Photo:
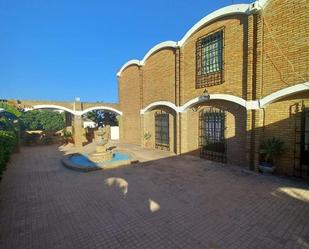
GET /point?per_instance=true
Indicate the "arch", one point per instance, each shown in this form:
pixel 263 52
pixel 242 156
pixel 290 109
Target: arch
pixel 225 11
pixel 162 45
pixel 36 107
pixel 226 97
pixel 129 63
pixel 100 108
pixel 283 93
pixel 159 103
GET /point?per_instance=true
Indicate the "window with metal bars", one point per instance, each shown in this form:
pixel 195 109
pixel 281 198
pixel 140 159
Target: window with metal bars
pixel 162 130
pixel 212 134
pixel 209 60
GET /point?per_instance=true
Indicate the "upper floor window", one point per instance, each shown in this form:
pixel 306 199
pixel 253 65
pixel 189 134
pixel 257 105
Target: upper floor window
pixel 209 60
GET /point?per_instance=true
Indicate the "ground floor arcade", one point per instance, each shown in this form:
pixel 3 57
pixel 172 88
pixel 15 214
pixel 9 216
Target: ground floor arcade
pixel 226 131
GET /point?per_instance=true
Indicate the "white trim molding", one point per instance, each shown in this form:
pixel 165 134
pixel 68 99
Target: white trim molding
pixel 248 105
pixel 129 63
pixel 77 113
pixel 226 97
pixel 36 107
pixel 159 103
pixel 226 11
pixel 162 45
pixel 99 108
pixel 283 93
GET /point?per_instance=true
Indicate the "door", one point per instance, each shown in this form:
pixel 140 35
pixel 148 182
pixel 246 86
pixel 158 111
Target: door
pixel 162 130
pixel 212 134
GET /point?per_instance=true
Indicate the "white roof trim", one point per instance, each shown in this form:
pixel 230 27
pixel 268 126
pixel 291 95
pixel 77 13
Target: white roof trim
pixel 228 10
pixel 52 107
pixel 159 103
pixel 98 108
pixel 129 63
pixel 283 93
pixel 166 44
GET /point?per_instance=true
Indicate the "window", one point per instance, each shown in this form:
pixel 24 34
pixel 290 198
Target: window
pixel 209 60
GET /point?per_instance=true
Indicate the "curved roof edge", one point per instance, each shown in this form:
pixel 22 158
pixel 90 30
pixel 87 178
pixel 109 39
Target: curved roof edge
pixel 166 44
pixel 129 63
pixel 225 11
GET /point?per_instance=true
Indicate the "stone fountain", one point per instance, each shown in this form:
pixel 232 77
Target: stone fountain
pixel 101 153
pixel 102 158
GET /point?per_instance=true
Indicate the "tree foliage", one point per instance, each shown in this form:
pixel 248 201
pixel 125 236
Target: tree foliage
pixel 10 110
pixel 101 117
pixel 45 120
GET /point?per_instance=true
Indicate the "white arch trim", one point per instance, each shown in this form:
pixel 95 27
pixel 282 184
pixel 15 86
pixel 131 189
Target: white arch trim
pixel 159 103
pixel 283 93
pixel 226 97
pixel 226 11
pixel 52 107
pixel 166 44
pixel 99 108
pixel 129 63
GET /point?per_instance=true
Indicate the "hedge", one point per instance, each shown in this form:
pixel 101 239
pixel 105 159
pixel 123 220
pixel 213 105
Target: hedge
pixel 8 140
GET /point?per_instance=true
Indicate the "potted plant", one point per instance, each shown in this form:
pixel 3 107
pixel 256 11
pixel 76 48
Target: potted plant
pixel 147 137
pixel 270 149
pixel 67 136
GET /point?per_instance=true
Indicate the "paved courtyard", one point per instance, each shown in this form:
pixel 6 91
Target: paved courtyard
pixel 174 202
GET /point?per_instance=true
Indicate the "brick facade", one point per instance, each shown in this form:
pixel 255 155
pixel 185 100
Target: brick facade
pixel 265 50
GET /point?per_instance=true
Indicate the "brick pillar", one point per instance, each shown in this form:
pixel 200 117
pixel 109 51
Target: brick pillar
pixel 255 133
pixel 142 131
pixel 78 131
pixel 120 123
pixel 178 133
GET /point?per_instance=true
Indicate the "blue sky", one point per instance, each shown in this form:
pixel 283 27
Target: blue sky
pixel 59 49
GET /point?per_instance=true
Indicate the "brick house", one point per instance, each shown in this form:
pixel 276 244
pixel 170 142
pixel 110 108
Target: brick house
pixel 237 77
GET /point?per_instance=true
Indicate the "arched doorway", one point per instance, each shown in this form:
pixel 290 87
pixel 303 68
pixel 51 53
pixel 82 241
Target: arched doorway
pixel 212 138
pixel 159 128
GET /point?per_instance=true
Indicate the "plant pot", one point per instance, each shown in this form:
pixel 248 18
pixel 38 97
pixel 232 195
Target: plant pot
pixel 267 168
pixel 147 144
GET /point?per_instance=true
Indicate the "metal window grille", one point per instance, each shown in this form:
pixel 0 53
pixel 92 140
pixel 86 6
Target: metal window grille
pixel 162 130
pixel 301 160
pixel 212 134
pixel 209 60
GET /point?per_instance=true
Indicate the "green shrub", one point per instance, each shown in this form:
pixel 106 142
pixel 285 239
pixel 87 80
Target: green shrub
pixel 8 141
pixel 45 120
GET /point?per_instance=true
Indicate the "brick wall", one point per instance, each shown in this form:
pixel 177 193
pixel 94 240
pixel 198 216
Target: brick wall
pixel 130 105
pixel 285 47
pixel 159 77
pixel 263 52
pixel 235 46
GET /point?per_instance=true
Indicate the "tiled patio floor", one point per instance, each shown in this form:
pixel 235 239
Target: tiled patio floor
pixel 175 202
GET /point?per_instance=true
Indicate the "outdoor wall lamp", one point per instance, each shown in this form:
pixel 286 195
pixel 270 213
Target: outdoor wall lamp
pixel 204 97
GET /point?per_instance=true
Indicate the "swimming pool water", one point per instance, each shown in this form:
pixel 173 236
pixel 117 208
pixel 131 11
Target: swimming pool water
pixel 82 159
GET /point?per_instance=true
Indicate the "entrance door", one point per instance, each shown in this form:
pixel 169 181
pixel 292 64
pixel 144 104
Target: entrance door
pixel 162 130
pixel 304 144
pixel 212 137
